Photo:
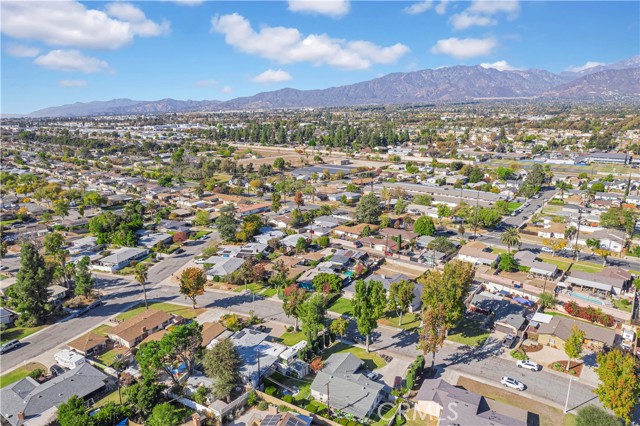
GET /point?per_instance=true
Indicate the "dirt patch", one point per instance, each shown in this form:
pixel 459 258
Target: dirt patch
pixel 545 414
pixel 532 348
pixel 575 369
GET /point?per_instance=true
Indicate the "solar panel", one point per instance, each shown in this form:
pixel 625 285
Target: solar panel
pixel 270 420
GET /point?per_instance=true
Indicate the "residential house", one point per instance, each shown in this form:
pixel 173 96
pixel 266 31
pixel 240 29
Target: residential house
pixel 257 353
pixel 340 385
pixel 554 230
pixel 556 332
pixel 528 259
pixel 132 331
pixel 286 419
pixel 329 221
pixel 477 253
pixel 173 226
pixel 269 234
pixel 7 317
pixel 213 333
pixel 354 232
pixel 88 344
pixel 507 317
pixel 250 209
pixel 57 294
pixel 85 244
pixel 610 280
pixel 223 266
pixel 289 242
pixel 120 258
pixel 154 239
pixel 29 403
pixel 454 405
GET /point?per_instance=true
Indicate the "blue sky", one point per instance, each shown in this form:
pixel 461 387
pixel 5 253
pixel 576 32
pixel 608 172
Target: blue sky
pixel 66 51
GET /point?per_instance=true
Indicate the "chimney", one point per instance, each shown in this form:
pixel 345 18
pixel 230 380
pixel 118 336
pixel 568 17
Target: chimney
pixel 21 415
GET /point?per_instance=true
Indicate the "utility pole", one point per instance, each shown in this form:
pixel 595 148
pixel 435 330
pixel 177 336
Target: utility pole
pixel 475 225
pixel 575 246
pixel 566 402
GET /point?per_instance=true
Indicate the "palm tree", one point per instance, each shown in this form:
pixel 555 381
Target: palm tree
pixel 385 194
pixel 141 276
pixel 510 238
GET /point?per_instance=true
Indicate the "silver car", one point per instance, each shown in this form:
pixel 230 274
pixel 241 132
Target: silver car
pixel 512 383
pixel 529 365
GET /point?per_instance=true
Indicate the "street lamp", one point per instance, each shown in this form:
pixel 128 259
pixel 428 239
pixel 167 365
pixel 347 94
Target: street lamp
pixel 566 403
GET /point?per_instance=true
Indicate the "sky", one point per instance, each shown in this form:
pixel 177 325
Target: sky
pixel 64 51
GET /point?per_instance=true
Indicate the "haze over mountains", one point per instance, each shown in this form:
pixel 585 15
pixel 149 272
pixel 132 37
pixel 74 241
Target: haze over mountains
pixel 450 84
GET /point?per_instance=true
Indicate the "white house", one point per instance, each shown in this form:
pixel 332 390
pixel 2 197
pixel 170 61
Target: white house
pixel 119 259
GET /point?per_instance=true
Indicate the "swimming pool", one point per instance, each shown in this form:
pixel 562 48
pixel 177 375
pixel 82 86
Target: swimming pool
pixel 587 298
pixel 349 273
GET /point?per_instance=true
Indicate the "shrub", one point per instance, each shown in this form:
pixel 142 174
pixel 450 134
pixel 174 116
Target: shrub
pixel 411 375
pixel 288 398
pixel 252 399
pixel 311 407
pixel 270 390
pixel 201 395
pixel 35 374
pixel 400 420
pixel 518 354
pixel 589 313
pixel 263 405
pixel 557 366
pixel 316 365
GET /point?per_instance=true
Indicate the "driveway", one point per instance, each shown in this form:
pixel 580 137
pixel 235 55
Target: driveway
pixel 397 367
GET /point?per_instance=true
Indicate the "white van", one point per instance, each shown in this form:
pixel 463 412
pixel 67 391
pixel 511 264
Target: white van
pixel 10 345
pixel 69 359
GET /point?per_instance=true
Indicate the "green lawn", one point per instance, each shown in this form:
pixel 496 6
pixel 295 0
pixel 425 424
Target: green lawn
pixel 622 304
pixel 372 360
pixel 513 206
pixel 199 234
pixel 102 329
pixel 341 306
pixel 20 373
pixel 253 288
pixel 498 250
pixel 468 332
pixel 303 385
pixel 410 321
pixel 18 333
pixel 112 397
pixel 3 277
pixel 269 292
pixel 561 264
pixel 183 311
pixel 586 267
pixel 291 339
pixel 108 357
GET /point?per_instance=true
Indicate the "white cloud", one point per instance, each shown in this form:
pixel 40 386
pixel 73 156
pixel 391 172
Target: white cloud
pixel 441 8
pixel 206 83
pixel 419 7
pixel 333 8
pixel 463 20
pixel 227 89
pixel 72 83
pixel 482 13
pixel 586 66
pixel 499 65
pixel 21 51
pixel 71 60
pixel 69 23
pixel 288 45
pixel 272 76
pixel 465 48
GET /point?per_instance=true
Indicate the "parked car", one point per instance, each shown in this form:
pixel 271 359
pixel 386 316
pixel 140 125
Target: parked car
pixel 200 261
pixel 547 249
pixel 95 304
pixel 9 346
pixel 397 382
pixel 373 376
pixel 56 370
pixel 358 244
pixel 529 365
pixel 508 341
pixel 3 267
pixel 512 383
pixel 179 251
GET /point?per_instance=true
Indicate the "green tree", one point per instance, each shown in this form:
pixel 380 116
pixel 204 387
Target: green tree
pixel 400 297
pixel 222 364
pixel 178 346
pixel 424 226
pixel 140 274
pixel 368 209
pixel 294 297
pixel 276 203
pixel 385 221
pixel 448 288
pixel 312 313
pixel 54 245
pixel 574 344
pixel 327 283
pixel 110 414
pixel 278 163
pixel 73 413
pixel 510 238
pixel 202 218
pixel 143 395
pixel 227 223
pixel 368 306
pixel 83 279
pixel 301 245
pixel 30 294
pixel 592 415
pixel 164 414
pixel 547 300
pixel 339 326
pixel 433 330
pixel 61 208
pixel 323 241
pixel 442 244
pixel 4 248
pixel 508 263
pixel 619 387
pixel 192 282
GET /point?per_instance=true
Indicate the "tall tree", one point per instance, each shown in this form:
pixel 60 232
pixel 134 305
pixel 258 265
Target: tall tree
pixel 400 297
pixel 192 282
pixel 222 363
pixel 164 414
pixel 424 226
pixel 294 297
pixel 54 245
pixel 433 331
pixel 368 306
pixel 368 209
pixel 339 326
pixel 573 345
pixel 448 288
pixel 141 274
pixel 298 198
pixel 30 294
pixel 202 218
pixel 73 413
pixel 83 279
pixel 312 313
pixel 619 387
pixel 227 223
pixel 510 238
pixel 276 203
pixel 278 275
pixel 143 395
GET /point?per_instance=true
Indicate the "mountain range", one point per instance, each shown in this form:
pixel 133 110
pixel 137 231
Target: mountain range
pixel 450 84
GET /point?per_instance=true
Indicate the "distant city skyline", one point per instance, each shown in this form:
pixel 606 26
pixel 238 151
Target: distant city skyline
pixel 66 51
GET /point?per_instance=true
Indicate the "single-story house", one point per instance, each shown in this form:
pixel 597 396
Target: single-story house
pixel 212 333
pixel 355 231
pixel 477 253
pixel 132 331
pixel 168 225
pixel 120 258
pixel 88 344
pixel 342 387
pixel 507 317
pixel 269 235
pixel 329 221
pixel 7 316
pixel 554 230
pixel 57 294
pixel 152 240
pixel 536 267
pixel 612 280
pixel 255 351
pixel 84 244
pixel 250 209
pixel 29 403
pixel 454 405
pixel 223 266
pixel 558 330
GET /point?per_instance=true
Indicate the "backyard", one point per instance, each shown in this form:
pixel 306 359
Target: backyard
pixel 468 332
pixel 290 339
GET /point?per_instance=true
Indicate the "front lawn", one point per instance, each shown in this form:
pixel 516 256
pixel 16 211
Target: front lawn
pixel 590 268
pixel 513 206
pixel 561 264
pixel 341 306
pixel 101 330
pixel 20 373
pixel 372 360
pixel 3 277
pixel 468 332
pixel 18 333
pixel 184 311
pixel 410 321
pixel 291 339
pixel 253 288
pixel 199 234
